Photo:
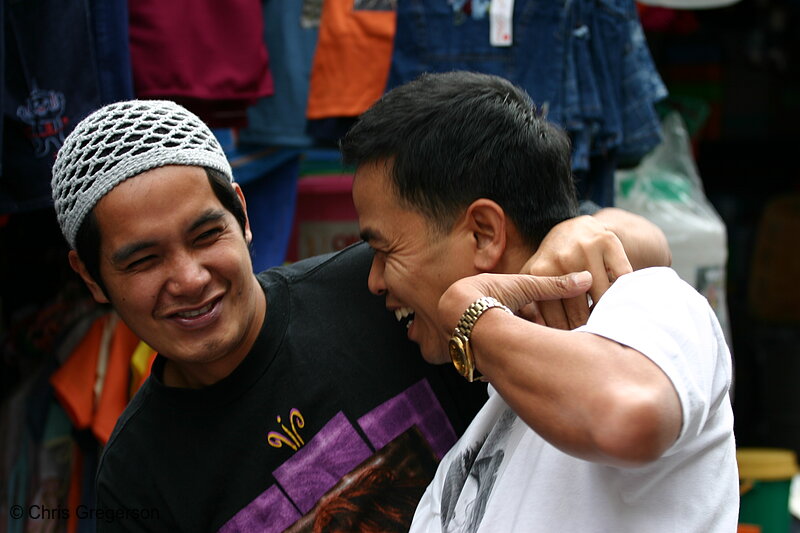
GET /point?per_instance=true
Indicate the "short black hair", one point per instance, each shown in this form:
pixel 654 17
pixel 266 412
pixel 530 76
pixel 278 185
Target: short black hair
pixel 454 137
pixel 87 239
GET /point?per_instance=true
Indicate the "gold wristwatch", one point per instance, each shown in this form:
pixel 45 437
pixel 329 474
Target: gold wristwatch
pixel 460 349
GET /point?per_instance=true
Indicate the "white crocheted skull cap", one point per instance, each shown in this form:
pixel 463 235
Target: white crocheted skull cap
pixel 120 141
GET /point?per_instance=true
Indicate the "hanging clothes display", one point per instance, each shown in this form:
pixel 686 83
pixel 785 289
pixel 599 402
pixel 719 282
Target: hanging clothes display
pixel 352 59
pixel 44 460
pixel 94 384
pixel 585 64
pixel 208 56
pixel 86 366
pixel 265 155
pixel 280 119
pixel 61 61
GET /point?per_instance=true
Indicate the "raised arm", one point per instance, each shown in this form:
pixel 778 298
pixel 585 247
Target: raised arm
pixel 587 395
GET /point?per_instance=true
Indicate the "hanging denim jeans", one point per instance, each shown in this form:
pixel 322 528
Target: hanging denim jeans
pixel 437 36
pixel 642 87
pixel 585 61
pixel 280 119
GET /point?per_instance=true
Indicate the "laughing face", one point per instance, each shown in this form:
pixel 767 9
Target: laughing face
pixel 177 269
pixel 413 264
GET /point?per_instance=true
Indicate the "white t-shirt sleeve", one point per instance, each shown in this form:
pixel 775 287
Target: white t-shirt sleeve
pixel 656 313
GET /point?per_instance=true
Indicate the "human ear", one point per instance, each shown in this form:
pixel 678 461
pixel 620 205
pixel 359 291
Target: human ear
pixel 248 235
pixel 486 220
pixel 94 288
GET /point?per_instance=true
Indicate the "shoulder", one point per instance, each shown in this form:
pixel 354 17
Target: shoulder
pixel 652 299
pixel 130 444
pixel 656 286
pixel 126 455
pixel 352 263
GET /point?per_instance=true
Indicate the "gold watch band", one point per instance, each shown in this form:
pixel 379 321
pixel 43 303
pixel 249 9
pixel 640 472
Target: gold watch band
pixel 460 347
pixel 474 312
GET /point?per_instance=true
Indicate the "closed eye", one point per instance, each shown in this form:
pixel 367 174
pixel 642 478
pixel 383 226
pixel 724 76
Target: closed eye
pixel 139 262
pixel 208 235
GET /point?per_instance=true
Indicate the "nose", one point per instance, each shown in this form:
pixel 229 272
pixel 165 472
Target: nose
pixel 187 275
pixel 375 282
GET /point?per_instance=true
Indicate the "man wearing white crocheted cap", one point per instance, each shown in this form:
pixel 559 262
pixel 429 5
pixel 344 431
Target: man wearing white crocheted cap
pixel 137 241
pixel 270 392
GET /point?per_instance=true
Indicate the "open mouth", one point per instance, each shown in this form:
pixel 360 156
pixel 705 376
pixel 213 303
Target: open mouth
pixel 199 313
pixel 195 312
pixel 405 315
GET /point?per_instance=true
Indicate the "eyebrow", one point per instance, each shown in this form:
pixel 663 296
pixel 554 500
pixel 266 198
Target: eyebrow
pixel 125 253
pixel 212 215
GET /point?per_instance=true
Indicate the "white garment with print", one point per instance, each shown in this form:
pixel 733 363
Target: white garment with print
pixel 503 477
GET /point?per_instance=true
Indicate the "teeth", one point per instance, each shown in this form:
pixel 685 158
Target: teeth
pixel 196 312
pixel 403 312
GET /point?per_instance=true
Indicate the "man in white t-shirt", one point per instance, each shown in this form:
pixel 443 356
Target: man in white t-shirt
pixel 620 421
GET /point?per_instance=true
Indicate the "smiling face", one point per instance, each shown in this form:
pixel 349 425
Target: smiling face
pixel 413 264
pixel 176 267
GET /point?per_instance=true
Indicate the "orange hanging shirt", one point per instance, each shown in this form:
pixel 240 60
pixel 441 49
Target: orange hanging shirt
pixel 352 60
pixel 75 381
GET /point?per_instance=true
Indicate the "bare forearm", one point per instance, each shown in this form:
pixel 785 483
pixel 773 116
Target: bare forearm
pixel 587 395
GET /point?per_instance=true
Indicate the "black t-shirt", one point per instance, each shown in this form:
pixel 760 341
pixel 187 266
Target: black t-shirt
pixel 333 409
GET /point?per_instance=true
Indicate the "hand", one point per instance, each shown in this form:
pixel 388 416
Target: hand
pixel 581 243
pixel 516 291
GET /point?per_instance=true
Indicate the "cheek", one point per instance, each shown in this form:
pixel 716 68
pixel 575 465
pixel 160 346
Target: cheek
pixel 231 267
pixel 139 291
pixel 402 267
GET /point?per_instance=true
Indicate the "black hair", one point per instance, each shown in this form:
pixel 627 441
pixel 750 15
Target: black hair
pixel 87 239
pixel 451 138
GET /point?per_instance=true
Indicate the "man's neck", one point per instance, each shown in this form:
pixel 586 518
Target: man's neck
pixel 514 258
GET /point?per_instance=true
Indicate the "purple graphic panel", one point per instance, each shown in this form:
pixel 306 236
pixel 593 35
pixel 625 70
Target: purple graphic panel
pixel 271 511
pixel 321 463
pixel 416 406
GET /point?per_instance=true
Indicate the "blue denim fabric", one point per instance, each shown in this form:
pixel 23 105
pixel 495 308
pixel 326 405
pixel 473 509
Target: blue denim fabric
pixel 607 23
pixel 271 203
pixel 437 36
pixel 642 86
pixel 280 119
pixel 596 184
pixel 585 61
pixel 597 48
pixel 268 177
pixel 112 51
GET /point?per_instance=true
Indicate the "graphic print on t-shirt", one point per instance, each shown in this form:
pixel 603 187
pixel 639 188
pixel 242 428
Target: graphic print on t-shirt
pixel 471 476
pixel 330 470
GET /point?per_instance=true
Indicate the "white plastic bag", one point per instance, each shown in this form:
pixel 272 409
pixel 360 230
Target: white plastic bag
pixel 666 189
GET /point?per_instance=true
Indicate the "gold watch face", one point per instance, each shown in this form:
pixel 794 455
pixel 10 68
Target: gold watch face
pixel 458 354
